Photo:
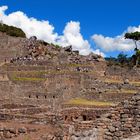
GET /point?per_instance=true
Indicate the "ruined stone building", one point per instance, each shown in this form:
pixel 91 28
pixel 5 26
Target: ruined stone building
pixel 53 93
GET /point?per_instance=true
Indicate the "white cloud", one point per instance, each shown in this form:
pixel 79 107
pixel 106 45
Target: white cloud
pixel 2 9
pixel 45 31
pixel 31 26
pixel 72 36
pixel 133 29
pixel 113 44
pixel 118 43
pixel 97 51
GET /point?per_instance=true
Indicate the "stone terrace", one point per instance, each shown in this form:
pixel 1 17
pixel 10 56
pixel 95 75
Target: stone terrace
pixel 51 86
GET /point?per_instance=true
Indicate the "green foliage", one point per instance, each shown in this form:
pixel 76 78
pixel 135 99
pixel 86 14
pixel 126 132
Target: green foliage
pixel 121 60
pixel 55 45
pixel 138 53
pixel 124 61
pixel 12 31
pixel 137 57
pixel 134 36
pixel 28 79
pixel 80 101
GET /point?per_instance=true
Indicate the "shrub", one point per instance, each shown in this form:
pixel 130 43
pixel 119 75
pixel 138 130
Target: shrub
pixel 11 30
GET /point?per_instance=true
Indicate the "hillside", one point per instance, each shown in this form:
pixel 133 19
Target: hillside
pixel 11 30
pixel 45 84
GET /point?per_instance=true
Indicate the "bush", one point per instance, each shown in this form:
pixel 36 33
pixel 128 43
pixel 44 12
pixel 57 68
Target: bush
pixel 122 60
pixel 11 30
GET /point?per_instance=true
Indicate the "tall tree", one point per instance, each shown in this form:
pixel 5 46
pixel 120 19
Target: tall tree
pixel 135 36
pixel 138 57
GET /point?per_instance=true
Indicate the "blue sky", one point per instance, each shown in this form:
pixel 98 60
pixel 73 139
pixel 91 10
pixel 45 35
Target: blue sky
pixel 109 18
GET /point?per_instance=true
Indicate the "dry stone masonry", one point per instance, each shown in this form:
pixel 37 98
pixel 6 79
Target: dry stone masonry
pixel 53 93
pixel 120 123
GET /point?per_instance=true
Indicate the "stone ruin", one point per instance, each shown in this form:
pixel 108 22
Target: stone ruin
pixel 53 93
pixel 119 123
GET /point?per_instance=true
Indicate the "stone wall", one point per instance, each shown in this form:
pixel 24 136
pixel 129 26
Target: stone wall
pixel 121 73
pixel 121 122
pixel 12 132
pixel 10 47
pixel 124 120
pixel 81 114
pixel 55 88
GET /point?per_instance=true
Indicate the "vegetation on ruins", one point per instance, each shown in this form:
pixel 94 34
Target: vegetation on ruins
pixel 122 59
pixel 135 37
pixel 79 101
pixel 55 45
pixel 11 30
pixel 123 91
pixel 28 79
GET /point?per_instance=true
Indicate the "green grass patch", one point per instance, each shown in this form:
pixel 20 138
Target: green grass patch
pixel 125 91
pixel 79 101
pixel 113 81
pixel 28 79
pixel 11 30
pixel 43 73
pixel 128 91
pixel 27 73
pixel 135 83
pixel 79 65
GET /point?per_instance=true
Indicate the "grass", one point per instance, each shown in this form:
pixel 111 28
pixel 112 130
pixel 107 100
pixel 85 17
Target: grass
pixel 79 101
pixel 42 73
pixel 37 75
pixel 27 73
pixel 11 30
pixel 135 83
pixel 26 138
pixel 28 79
pixel 128 91
pixel 79 65
pixel 125 91
pixel 113 81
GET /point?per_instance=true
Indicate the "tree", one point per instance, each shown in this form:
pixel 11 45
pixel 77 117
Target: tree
pixel 122 58
pixel 135 36
pixel 137 57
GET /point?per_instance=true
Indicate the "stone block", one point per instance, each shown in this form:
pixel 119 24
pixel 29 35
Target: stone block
pixel 108 133
pixel 7 135
pixel 22 130
pixel 111 128
pixel 118 134
pixel 12 130
pixel 108 137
